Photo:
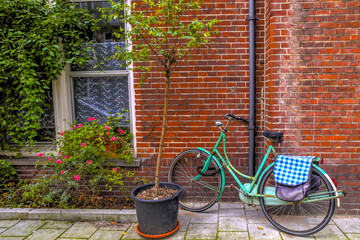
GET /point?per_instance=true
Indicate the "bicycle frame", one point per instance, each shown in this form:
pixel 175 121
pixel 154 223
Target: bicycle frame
pixel 258 176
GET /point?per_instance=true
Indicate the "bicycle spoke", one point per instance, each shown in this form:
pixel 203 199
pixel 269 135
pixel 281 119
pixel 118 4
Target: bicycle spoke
pixel 199 194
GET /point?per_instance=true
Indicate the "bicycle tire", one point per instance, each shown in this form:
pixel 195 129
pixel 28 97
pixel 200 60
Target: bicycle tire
pixel 299 219
pixel 196 197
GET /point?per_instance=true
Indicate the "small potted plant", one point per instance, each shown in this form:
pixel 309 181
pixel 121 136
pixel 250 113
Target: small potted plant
pixel 158 36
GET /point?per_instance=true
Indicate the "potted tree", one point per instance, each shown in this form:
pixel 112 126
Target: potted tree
pixel 158 36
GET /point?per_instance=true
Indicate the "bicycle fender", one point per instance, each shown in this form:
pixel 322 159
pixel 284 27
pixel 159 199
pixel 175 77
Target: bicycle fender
pixel 330 181
pixel 221 172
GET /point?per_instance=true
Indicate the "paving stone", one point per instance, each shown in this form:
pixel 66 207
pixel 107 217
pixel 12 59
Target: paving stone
pixel 348 225
pixel 184 223
pixel 205 218
pixel 252 207
pixel 239 205
pixel 8 223
pixel 57 225
pixel 106 235
pixel 12 238
pixel 176 236
pixel 213 209
pixel 201 231
pixel 131 233
pixel 233 235
pixel 232 212
pixel 80 230
pixel 330 232
pixel 353 236
pixel 256 217
pixel 45 234
pixel 114 227
pixel 23 228
pixel 286 236
pixel 232 224
pixel 70 239
pixel 267 231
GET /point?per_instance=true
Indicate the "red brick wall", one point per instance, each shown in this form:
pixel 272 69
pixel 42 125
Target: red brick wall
pixel 309 88
pixel 202 92
pixel 312 86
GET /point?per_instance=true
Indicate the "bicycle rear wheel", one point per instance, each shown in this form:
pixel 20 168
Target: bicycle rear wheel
pixel 198 195
pixel 297 218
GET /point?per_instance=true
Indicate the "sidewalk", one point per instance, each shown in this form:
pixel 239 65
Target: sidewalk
pixel 222 221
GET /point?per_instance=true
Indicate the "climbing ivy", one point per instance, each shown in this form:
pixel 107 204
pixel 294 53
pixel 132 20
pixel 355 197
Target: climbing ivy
pixel 37 39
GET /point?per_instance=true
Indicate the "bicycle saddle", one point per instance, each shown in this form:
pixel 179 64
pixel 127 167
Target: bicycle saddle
pixel 273 136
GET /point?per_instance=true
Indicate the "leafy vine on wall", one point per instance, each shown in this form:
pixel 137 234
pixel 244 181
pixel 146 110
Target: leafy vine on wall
pixel 37 39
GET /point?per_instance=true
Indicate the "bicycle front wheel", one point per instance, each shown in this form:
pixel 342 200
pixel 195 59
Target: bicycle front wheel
pixel 299 218
pixel 198 194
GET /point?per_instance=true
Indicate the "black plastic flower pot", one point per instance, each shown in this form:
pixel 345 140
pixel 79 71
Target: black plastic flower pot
pixel 157 218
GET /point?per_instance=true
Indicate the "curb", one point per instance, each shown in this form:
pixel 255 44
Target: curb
pixel 123 216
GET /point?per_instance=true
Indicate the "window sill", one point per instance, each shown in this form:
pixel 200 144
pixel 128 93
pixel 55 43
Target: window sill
pixel 24 157
pixel 32 161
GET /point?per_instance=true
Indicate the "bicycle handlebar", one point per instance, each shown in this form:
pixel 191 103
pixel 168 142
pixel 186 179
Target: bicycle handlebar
pixel 231 116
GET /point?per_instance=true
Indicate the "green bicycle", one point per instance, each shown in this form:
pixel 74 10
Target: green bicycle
pixel 201 175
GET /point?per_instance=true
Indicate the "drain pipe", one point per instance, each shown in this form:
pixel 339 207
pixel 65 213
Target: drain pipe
pixel 252 86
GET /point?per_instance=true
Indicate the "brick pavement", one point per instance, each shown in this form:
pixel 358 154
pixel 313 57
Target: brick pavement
pixel 222 221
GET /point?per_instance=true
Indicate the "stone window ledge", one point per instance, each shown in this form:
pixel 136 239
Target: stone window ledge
pixel 111 162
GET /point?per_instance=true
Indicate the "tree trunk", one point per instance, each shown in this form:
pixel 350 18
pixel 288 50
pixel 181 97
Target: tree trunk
pixel 163 130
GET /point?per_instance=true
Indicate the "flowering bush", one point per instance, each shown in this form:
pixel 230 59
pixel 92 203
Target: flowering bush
pixel 79 165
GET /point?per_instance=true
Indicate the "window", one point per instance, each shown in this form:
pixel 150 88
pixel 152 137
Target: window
pixel 83 91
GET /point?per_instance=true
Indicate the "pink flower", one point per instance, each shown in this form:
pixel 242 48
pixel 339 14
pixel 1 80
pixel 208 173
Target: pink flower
pixel 40 154
pixel 60 154
pixel 109 133
pixel 62 172
pixel 62 133
pixel 113 139
pixel 75 127
pixel 58 161
pixel 50 159
pixel 67 156
pixel 80 125
pixel 122 131
pixel 76 177
pixel 91 119
pixel 107 128
pixel 115 170
pixel 83 144
pixel 89 162
pixel 107 151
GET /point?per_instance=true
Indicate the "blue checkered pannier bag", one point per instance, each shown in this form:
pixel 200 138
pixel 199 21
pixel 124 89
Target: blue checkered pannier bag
pixel 292 177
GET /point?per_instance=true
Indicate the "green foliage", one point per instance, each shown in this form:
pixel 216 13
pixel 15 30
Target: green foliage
pixel 37 39
pixel 79 168
pixel 7 174
pixel 158 32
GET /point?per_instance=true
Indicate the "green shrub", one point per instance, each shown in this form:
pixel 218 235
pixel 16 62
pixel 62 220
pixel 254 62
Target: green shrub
pixel 79 169
pixel 8 175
